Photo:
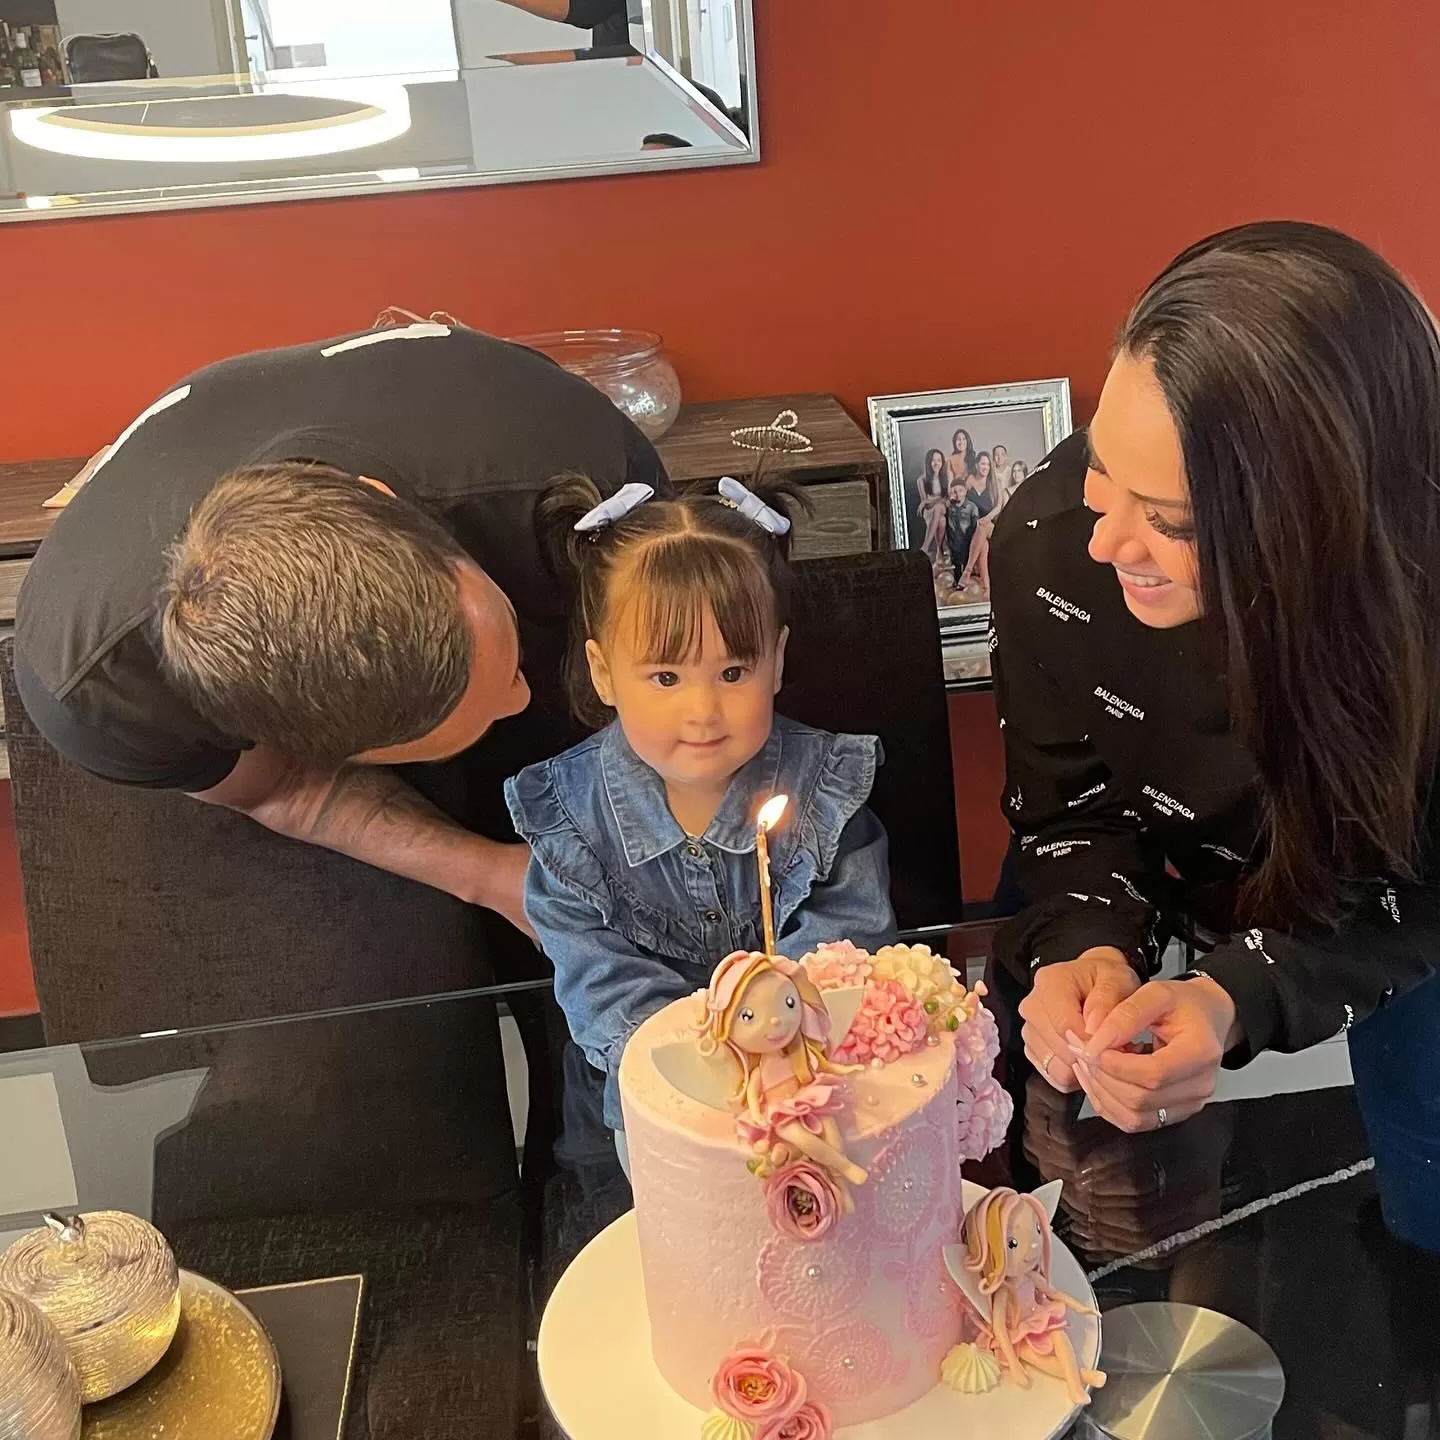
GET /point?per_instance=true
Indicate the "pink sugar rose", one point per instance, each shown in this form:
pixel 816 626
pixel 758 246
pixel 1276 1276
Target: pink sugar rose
pixel 751 1385
pixel 977 1046
pixel 891 1024
pixel 802 1201
pixel 984 1112
pixel 810 1422
pixel 837 965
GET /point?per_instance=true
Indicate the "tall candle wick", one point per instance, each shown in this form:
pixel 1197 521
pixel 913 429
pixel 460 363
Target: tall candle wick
pixel 766 821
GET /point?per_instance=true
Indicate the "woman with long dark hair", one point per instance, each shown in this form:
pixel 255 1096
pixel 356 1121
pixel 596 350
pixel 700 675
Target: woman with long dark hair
pixel 979 561
pixel 1217 624
pixel 930 487
pixel 961 460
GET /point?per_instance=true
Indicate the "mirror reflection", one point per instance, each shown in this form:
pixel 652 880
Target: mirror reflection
pixel 149 104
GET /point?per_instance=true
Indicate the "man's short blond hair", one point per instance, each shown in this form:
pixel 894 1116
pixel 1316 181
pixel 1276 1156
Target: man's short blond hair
pixel 308 611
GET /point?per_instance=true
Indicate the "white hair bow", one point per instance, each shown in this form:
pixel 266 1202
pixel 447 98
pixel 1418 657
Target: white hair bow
pixel 752 507
pixel 615 507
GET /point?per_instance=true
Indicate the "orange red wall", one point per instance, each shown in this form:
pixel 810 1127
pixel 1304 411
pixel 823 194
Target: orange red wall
pixel 17 993
pixel 952 194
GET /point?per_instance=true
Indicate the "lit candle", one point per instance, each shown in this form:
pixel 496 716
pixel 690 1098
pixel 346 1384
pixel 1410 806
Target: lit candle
pixel 766 821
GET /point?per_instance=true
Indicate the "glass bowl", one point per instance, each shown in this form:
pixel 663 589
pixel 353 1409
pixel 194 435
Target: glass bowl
pixel 627 365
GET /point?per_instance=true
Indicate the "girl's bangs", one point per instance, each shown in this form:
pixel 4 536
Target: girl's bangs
pixel 676 583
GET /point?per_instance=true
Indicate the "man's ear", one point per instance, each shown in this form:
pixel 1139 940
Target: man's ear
pixel 600 673
pixel 780 645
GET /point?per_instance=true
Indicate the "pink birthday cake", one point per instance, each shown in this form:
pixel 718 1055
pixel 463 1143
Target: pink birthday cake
pixel 795 1135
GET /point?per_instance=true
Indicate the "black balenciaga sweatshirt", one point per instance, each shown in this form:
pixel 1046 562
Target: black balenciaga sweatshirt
pixel 1135 805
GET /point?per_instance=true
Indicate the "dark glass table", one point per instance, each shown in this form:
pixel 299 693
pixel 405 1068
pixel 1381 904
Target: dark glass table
pixel 381 1141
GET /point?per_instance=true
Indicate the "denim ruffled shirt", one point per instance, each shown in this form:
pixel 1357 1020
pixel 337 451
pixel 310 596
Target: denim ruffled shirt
pixel 635 913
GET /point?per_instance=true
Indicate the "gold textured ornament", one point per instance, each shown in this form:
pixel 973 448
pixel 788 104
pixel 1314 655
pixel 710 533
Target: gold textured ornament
pixel 39 1394
pixel 220 1379
pixel 109 1284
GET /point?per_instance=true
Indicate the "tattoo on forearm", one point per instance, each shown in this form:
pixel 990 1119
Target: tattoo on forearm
pixel 362 800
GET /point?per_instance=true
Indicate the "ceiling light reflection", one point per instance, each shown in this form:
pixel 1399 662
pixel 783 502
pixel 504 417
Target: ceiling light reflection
pixel 381 113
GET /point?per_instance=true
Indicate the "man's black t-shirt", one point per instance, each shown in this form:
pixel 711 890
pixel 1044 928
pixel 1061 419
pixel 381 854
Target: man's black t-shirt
pixel 467 427
pixel 607 20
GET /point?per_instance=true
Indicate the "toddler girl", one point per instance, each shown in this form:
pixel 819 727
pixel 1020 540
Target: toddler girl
pixel 643 876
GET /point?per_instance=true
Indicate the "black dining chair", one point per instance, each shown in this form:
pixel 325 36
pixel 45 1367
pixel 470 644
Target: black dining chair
pixel 94 59
pixel 864 657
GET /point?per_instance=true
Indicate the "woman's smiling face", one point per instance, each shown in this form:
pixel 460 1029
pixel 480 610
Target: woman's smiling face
pixel 1136 485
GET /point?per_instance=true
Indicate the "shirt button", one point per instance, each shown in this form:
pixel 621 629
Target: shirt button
pixel 712 917
pixel 694 850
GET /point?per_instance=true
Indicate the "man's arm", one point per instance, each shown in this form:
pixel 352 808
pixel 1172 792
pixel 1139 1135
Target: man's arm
pixel 547 9
pixel 371 815
pixel 584 14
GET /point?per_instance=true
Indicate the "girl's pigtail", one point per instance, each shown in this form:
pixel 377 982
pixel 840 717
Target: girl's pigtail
pixel 565 500
pixel 770 483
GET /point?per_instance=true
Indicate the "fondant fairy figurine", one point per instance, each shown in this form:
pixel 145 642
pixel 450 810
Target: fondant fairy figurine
pixel 1003 1267
pixel 763 1046
pixel 770 1015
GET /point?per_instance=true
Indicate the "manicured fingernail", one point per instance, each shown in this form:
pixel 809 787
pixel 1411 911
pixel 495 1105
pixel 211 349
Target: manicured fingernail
pixel 1074 1041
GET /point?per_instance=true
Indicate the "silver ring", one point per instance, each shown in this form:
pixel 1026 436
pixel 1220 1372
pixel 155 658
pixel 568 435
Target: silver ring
pixel 1160 1118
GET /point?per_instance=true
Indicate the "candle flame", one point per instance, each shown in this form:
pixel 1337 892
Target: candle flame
pixel 771 811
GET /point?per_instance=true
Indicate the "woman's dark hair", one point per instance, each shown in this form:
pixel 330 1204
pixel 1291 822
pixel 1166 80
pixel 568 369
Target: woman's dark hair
pixel 969 448
pixel 680 560
pixel 931 473
pixel 1303 376
pixel 992 480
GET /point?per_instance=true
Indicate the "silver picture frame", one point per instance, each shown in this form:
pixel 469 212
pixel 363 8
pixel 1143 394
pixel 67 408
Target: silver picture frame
pixel 1026 420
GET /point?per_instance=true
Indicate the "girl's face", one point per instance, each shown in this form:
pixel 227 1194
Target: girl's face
pixel 1017 472
pixel 937 462
pixel 982 468
pixel 961 444
pixel 1137 486
pixel 694 722
pixel 768 1015
pixel 1024 1243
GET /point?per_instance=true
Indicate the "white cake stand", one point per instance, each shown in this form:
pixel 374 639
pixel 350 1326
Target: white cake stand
pixel 600 1381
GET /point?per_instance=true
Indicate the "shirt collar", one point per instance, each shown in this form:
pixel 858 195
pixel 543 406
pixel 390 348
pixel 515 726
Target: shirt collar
pixel 325 447
pixel 642 814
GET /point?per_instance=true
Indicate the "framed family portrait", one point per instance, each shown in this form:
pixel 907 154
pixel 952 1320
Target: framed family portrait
pixel 955 458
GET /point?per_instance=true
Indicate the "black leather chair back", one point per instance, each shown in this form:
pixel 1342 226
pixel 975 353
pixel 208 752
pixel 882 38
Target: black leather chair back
pixel 95 58
pixel 864 657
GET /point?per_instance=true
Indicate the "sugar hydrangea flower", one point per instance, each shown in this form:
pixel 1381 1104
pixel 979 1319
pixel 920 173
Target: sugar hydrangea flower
pixel 977 1046
pixel 838 965
pixel 983 1113
pixel 890 1024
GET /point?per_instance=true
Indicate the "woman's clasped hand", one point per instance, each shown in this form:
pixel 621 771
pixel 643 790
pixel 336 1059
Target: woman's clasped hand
pixel 1084 1020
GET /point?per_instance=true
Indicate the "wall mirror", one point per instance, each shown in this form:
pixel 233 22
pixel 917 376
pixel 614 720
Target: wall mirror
pixel 110 106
